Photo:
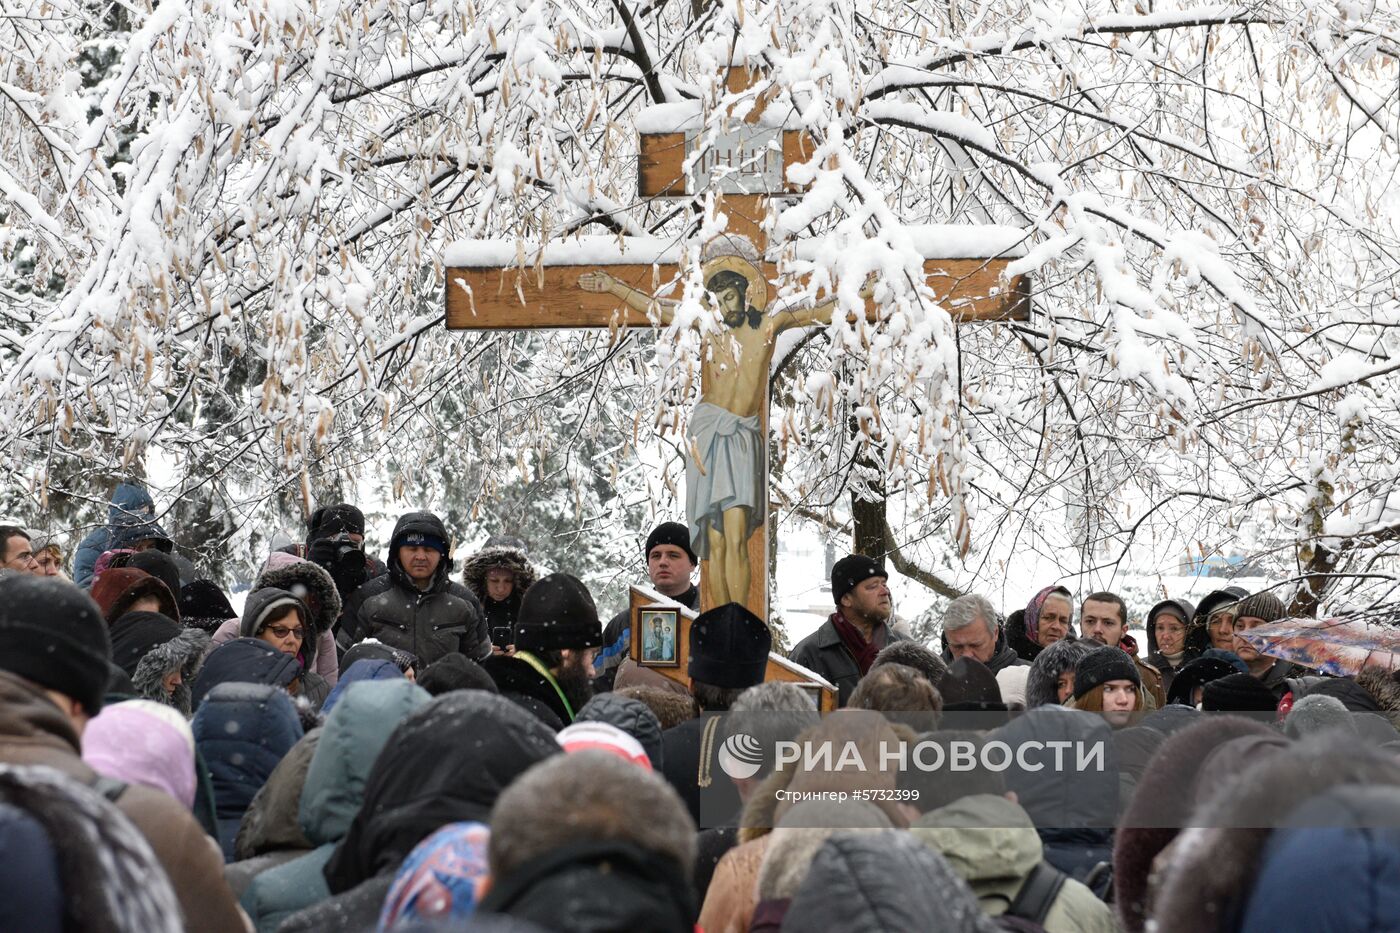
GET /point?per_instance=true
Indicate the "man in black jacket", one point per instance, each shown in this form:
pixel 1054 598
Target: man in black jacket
pixel 670 565
pixel 415 606
pixel 556 639
pixel 843 648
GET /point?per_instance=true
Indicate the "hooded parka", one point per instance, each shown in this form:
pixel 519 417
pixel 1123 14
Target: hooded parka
pixel 429 623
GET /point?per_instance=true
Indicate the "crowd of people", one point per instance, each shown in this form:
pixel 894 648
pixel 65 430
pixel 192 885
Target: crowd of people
pixel 379 745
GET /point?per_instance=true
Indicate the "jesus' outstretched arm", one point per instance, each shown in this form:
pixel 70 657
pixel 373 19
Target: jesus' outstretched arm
pixel 637 300
pixel 809 313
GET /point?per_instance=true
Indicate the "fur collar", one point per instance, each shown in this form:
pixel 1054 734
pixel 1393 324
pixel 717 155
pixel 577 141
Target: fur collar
pixel 1385 689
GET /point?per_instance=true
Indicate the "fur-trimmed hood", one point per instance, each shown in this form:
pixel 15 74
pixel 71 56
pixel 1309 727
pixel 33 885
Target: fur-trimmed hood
pixel 185 651
pixel 1043 680
pixel 510 558
pixel 1212 868
pixel 303 579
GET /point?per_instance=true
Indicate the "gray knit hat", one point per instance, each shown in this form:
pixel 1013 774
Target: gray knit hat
pixel 1264 606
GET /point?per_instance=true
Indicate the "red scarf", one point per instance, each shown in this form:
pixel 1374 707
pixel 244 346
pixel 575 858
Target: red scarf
pixel 863 651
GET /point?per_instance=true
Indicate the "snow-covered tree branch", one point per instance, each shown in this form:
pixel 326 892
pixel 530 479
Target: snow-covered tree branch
pixel 221 230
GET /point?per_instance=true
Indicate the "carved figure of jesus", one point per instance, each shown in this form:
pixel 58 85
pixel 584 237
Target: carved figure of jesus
pixel 726 488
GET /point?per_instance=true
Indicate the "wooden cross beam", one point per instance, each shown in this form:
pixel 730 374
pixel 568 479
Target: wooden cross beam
pixel 607 281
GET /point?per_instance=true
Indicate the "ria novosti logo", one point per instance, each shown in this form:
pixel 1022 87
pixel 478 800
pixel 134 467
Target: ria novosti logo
pixel 740 756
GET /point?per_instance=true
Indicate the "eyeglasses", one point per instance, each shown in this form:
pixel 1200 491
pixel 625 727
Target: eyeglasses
pixel 281 631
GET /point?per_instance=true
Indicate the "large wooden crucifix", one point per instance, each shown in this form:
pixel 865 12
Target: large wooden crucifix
pixel 610 281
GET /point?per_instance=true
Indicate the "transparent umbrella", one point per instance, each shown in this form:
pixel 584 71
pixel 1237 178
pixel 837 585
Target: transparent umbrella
pixel 1340 646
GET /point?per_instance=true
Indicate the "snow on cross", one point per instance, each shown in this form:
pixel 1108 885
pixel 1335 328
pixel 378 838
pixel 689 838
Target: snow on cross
pixel 629 281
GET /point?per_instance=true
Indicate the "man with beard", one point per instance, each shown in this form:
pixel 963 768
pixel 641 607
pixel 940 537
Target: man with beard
pixel 843 648
pixel 557 636
pixel 729 649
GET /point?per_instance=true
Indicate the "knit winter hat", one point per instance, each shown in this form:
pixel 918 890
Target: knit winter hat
pixel 455 671
pixel 136 633
pixel 1241 693
pixel 1264 606
pixel 851 572
pixel 1318 713
pixel 53 634
pixel 338 519
pixel 729 647
pixel 419 539
pixel 673 533
pixel 557 613
pixel 1100 666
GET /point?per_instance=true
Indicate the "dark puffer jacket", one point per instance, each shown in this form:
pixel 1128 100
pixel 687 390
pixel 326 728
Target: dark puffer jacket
pixel 243 730
pixel 595 886
pixel 429 624
pixel 500 616
pixel 447 761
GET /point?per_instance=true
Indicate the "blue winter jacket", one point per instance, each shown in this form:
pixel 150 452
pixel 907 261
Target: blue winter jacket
pixel 360 672
pixel 242 730
pixel 130 504
pixel 1335 866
